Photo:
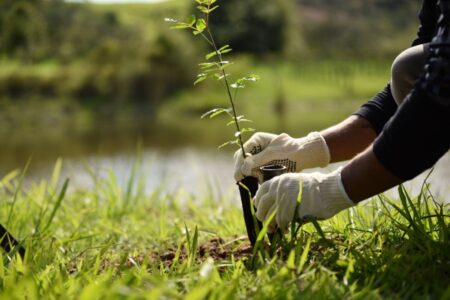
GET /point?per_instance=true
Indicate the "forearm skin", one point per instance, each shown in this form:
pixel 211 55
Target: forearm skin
pixel 348 138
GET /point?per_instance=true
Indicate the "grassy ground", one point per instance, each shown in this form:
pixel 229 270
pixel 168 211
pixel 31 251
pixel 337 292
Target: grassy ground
pixel 115 242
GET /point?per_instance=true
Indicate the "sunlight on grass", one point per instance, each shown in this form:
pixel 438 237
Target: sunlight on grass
pixel 115 241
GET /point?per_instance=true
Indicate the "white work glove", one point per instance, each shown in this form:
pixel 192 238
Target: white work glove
pixel 323 196
pixel 296 154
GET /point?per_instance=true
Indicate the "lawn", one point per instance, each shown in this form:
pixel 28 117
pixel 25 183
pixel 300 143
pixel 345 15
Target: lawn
pixel 116 242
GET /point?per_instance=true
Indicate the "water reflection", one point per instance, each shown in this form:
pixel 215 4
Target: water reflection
pixel 193 165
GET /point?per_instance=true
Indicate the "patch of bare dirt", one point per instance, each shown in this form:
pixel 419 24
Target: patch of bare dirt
pixel 216 248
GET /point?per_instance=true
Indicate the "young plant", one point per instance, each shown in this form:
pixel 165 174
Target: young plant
pixel 215 67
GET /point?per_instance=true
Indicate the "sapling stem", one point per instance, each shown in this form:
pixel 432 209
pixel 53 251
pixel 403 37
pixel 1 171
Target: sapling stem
pixel 216 69
pixel 227 85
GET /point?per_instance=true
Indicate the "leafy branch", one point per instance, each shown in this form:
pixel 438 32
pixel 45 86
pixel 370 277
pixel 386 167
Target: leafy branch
pixel 215 67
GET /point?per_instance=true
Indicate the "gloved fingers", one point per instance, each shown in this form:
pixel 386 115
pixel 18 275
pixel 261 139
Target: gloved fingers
pixel 258 141
pixel 238 160
pixel 245 167
pixel 265 203
pixel 286 211
pixel 252 164
pixel 263 189
pixel 281 139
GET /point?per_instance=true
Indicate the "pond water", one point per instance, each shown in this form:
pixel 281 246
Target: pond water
pixel 170 158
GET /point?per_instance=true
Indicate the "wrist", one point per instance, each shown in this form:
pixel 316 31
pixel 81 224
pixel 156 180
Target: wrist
pixel 325 195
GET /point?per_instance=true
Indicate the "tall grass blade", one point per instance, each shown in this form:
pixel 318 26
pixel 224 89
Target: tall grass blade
pixel 304 256
pixel 318 228
pixel 56 173
pixel 297 205
pixel 17 191
pixel 57 204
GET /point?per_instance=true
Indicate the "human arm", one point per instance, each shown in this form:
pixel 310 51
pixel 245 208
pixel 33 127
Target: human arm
pixel 337 143
pixel 413 140
pixel 396 154
pixel 348 138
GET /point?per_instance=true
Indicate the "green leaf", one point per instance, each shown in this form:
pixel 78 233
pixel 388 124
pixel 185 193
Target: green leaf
pixel 224 48
pixel 180 26
pixel 213 8
pixel 170 20
pixel 209 112
pixel 200 77
pixel 240 119
pixel 234 142
pixel 252 77
pixel 200 25
pixel 204 66
pixel 247 130
pixel 203 9
pixel 210 55
pixel 225 65
pixel 220 76
pixel 225 51
pixel 215 112
pixel 191 20
pixel 237 86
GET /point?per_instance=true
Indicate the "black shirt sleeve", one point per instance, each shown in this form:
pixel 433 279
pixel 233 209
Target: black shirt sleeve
pixel 379 109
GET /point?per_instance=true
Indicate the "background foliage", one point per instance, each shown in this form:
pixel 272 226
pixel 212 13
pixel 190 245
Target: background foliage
pixel 110 59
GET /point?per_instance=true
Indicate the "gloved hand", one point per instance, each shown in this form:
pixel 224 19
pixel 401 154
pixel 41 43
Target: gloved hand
pixel 323 196
pixel 296 154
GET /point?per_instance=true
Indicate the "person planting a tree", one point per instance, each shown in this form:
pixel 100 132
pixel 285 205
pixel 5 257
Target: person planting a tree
pixel 398 134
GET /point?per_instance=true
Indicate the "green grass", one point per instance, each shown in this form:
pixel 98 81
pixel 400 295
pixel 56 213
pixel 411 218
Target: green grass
pixel 114 241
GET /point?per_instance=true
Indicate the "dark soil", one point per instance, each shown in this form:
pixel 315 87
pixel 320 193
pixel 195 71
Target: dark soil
pixel 215 248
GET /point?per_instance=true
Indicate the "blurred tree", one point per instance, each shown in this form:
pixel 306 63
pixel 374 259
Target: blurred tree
pixel 22 28
pixel 108 62
pixel 255 26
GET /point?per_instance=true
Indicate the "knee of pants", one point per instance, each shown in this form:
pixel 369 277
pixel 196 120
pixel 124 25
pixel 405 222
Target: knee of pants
pixel 400 69
pixel 402 77
pixel 407 67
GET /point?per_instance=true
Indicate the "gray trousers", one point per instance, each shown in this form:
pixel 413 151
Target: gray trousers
pixel 407 67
